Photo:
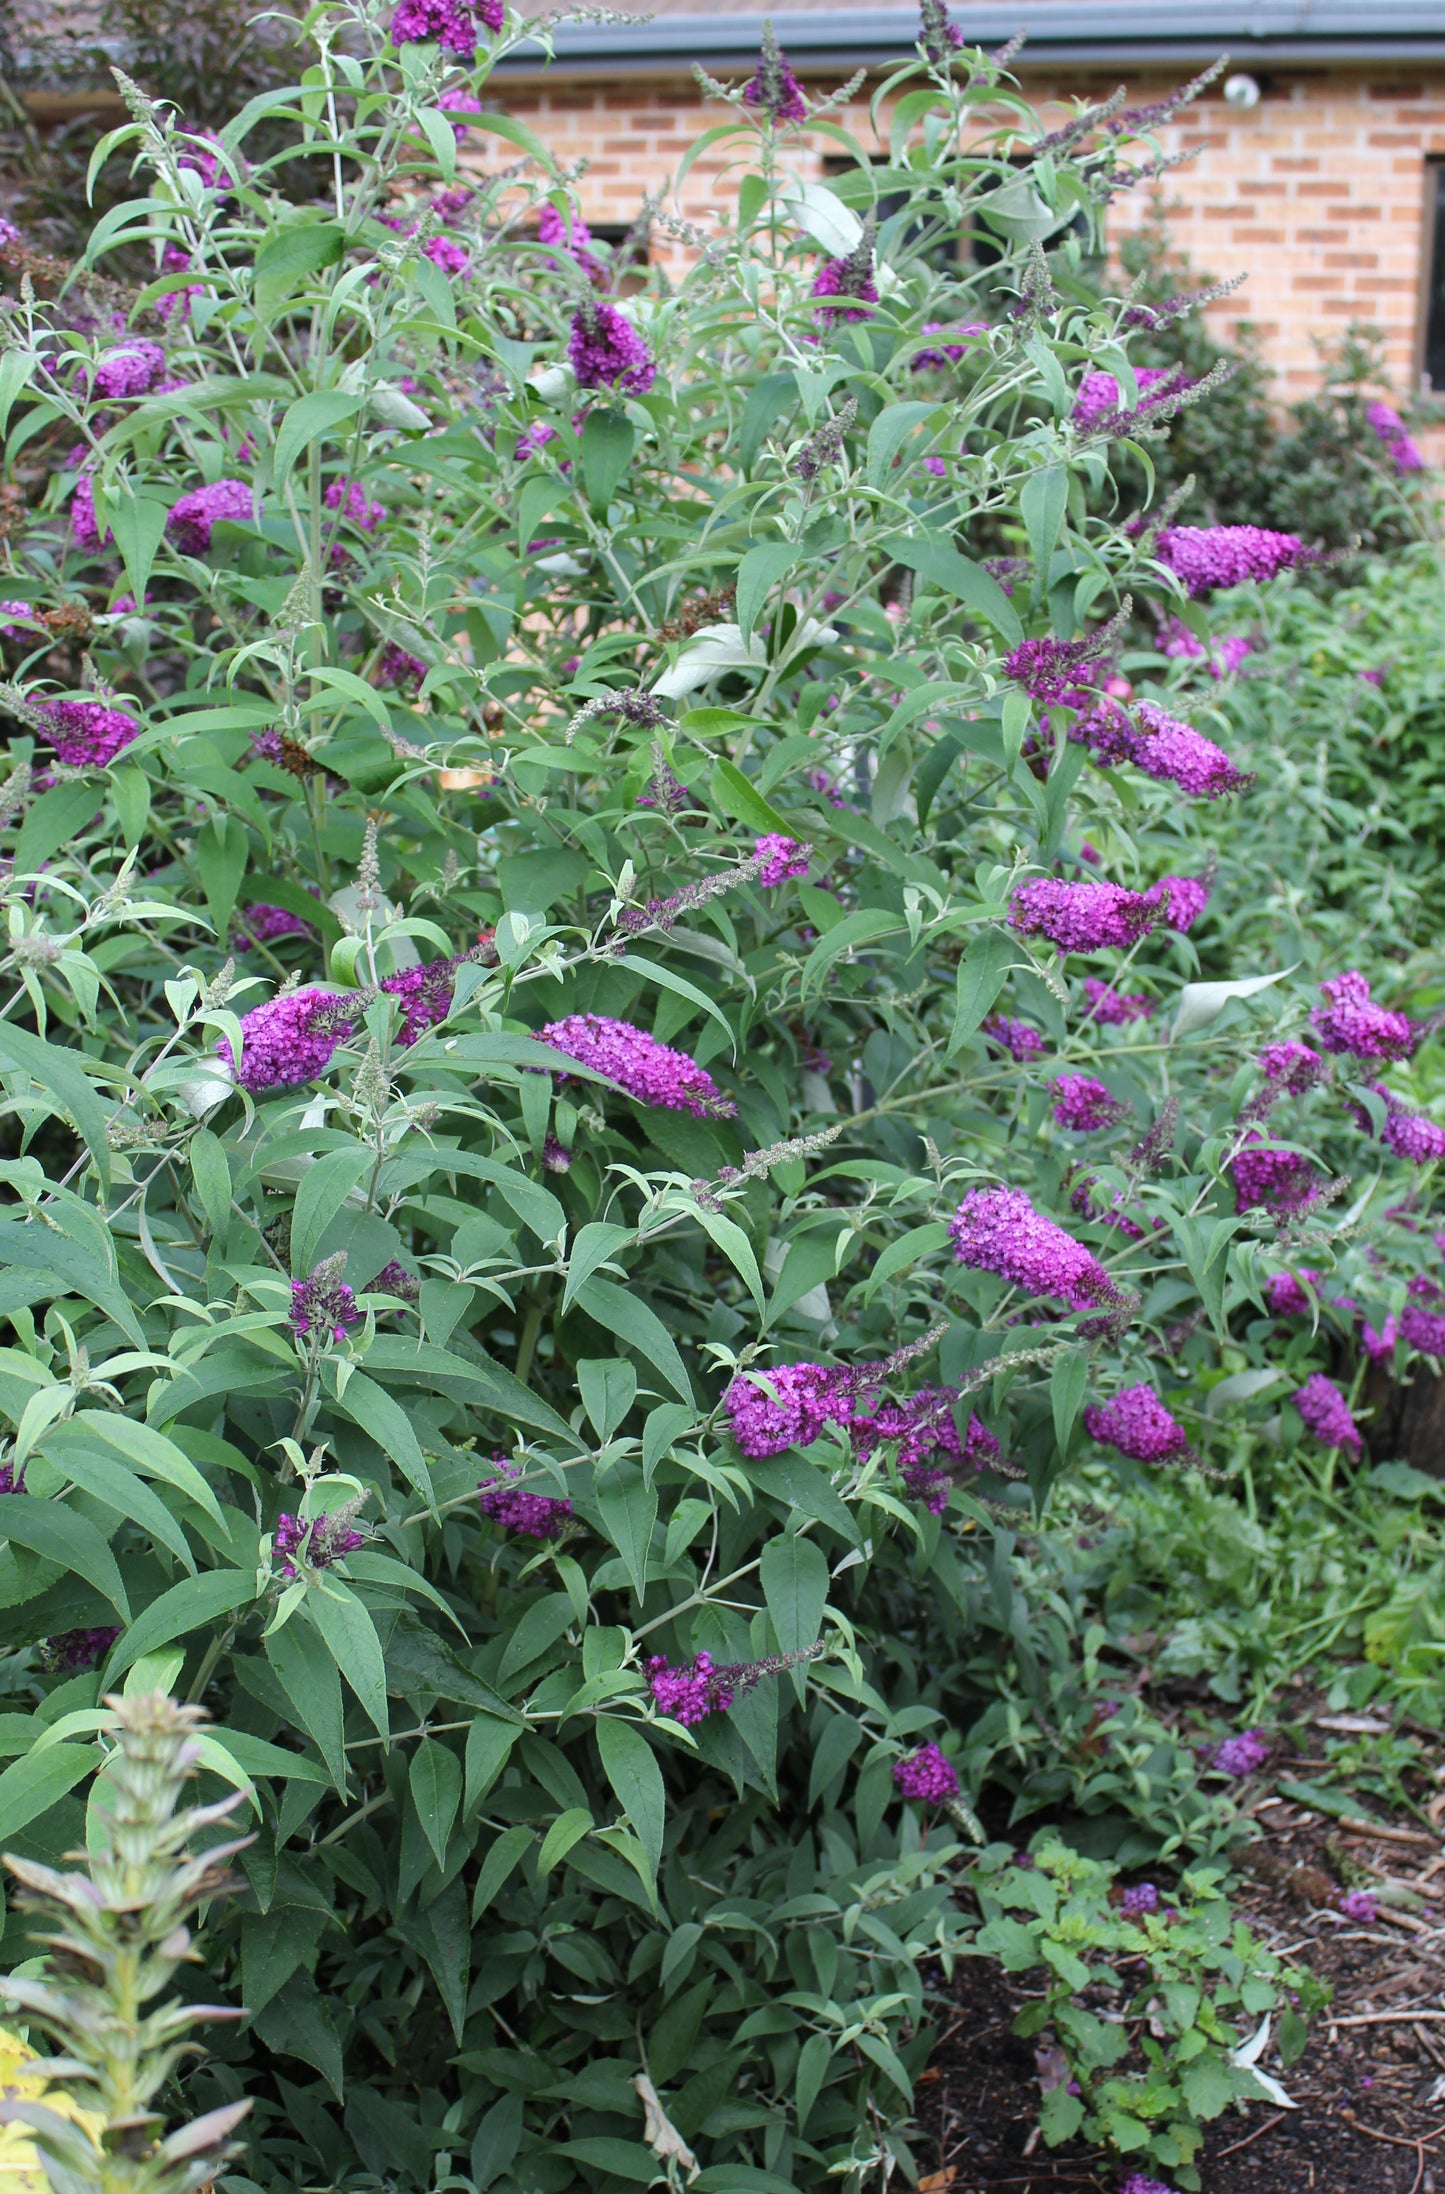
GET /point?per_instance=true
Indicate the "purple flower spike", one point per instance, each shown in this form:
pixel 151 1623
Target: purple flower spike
pixel 1285 1294
pixel 261 924
pixel 809 1398
pixel 849 279
pixel 570 232
pixel 322 1305
pixel 1349 1020
pixel 926 1776
pixel 691 1692
pixel 1018 1038
pixel 398 668
pixel 1097 403
pixel 350 498
pixel 1388 427
pixel 290 1039
pixel 451 24
pixel 949 352
pixel 1326 1413
pixel 1206 557
pixel 532 1515
pixel 189 522
pixel 785 858
pixel 937 33
pixel 1082 917
pixel 1138 1425
pixel 1115 1008
pixel 85 734
pixel 1139 1900
pixel 651 1072
pixel 1269 1179
pixel 132 369
pixel 1242 1754
pixel 998 1230
pixel 74 1650
pixel 774 91
pixel 329 1539
pixel 607 352
pixel 1173 752
pixel 1083 1105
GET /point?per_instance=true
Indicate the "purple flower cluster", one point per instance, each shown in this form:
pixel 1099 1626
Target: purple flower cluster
pixel 1388 427
pixel 1115 1008
pixel 1173 752
pixel 926 1776
pixel 1051 670
pixel 189 521
pixel 1138 1425
pixel 1139 2182
pixel 1180 899
pixel 19 621
pixel 394 1279
pixel 607 352
pixel 318 1544
pixel 351 499
pixel 1097 403
pixel 322 1304
pixel 398 668
pixel 1292 1067
pixel 651 1072
pixel 1083 1105
pixel 445 252
pixel 1081 917
pixel 1019 1039
pixel 533 1515
pixel 463 104
pixel 698 1688
pixel 938 34
pixel 73 1650
pixel 924 1427
pixel 262 924
pixel 957 338
pixel 1142 1898
pixel 783 857
pixel 1409 1134
pixel 1349 1020
pixel 1267 1178
pixel 131 369
pixel 290 1039
pixel 86 734
pixel 809 1398
pixel 773 90
pixel 1361 1905
pixel 1286 1296
pixel 1223 657
pixel 84 526
pixel 1378 1345
pixel 426 996
pixel 1326 1413
pixel 452 24
pixel 1206 557
pixel 849 278
pixel 569 232
pixel 1241 1754
pixel 1423 1330
pixel 998 1230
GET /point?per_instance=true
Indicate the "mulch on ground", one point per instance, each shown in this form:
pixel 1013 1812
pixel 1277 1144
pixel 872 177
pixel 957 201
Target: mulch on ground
pixel 1370 2087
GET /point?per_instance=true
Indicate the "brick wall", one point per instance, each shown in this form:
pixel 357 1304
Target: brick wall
pixel 1317 194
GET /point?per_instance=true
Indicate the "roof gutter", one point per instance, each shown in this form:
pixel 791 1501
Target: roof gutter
pixel 1081 33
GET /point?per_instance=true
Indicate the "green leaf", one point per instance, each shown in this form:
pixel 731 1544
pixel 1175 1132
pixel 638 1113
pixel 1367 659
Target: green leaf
pixel 139 527
pixel 31 1786
pixel 887 435
pixel 1067 1381
pixel 1060 2115
pixel 222 850
pixel 942 566
pixel 767 400
pixel 794 1576
pixel 60 1534
pixel 184 1608
pixel 310 419
pixel 638 1328
pixel 918 1242
pixel 211 1173
pixel 593 1245
pixel 435 1782
pixel 288 255
pixel 536 1633
pixel 568 1829
pixel 608 1386
pixel 16 369
pixel 441 1934
pixel 627 1504
pixel 346 1625
pixel 630 1765
pixel 608 440
pixel 384 1420
pixel 61 1077
pixel 502 1857
pixel 738 797
pixel 50 822
pixel 814 2060
pixel 309 1678
pixel 860 927
pixel 1208 2086
pixel 273 1946
pixel 981 974
pixel 618 2159
pixel 323 1189
pixel 300 2023
pixel 1043 500
pixel 758 573
pixel 121 1490
pixel 150 1452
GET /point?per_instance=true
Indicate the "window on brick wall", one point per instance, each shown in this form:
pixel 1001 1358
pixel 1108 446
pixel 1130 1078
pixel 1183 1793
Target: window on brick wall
pixel 1432 362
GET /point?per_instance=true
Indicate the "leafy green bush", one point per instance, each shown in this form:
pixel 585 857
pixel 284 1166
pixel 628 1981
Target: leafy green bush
pixel 1134 2020
pixel 522 815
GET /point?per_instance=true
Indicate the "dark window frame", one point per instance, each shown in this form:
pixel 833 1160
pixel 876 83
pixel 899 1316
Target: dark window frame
pixel 1431 335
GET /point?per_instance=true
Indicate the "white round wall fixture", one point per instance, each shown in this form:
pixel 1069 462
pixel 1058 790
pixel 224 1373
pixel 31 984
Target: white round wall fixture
pixel 1241 91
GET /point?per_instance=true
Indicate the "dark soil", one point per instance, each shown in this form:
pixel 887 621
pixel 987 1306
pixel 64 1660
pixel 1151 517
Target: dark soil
pixel 1372 2096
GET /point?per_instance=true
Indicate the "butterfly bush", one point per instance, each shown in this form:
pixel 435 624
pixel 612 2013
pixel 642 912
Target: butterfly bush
pixel 606 1109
